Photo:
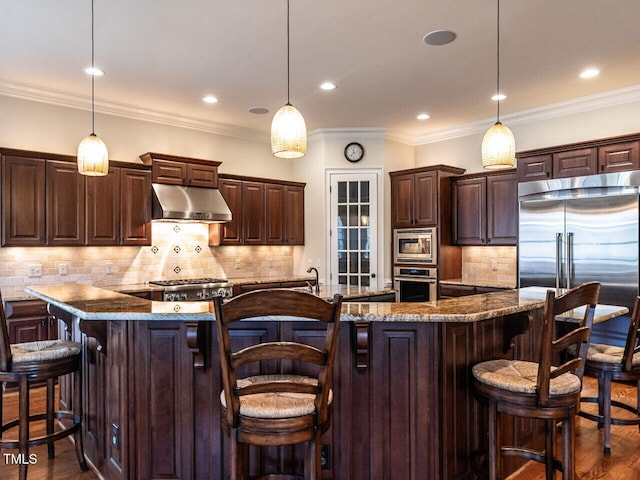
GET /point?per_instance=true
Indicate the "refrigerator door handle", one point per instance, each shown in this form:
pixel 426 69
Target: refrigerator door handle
pixel 558 259
pixel 570 266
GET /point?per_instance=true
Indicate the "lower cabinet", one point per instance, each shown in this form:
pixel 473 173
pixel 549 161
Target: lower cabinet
pixel 29 321
pixel 403 406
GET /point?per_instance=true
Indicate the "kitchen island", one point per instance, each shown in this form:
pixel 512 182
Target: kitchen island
pixel 403 405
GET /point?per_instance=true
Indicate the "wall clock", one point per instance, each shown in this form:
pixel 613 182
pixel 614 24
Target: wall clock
pixel 354 152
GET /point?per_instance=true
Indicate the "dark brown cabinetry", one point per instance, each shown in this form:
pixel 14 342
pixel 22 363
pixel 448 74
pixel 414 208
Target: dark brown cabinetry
pixel 485 209
pixel 264 212
pixel 175 170
pixel 135 206
pixel 607 155
pixel 65 204
pixel 414 199
pixel 47 202
pixel 284 214
pixel 29 321
pixel 23 201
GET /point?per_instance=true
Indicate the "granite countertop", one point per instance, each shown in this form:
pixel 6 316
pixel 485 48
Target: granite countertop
pixel 475 282
pixel 92 303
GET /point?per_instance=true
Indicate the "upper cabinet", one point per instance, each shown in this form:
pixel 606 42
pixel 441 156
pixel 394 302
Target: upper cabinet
pixel 174 170
pixel 23 201
pixel 608 155
pixel 264 211
pixel 47 202
pixel 414 195
pixel 485 209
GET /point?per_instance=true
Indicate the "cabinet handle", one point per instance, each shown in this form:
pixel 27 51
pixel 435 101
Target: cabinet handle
pixel 361 345
pixel 43 323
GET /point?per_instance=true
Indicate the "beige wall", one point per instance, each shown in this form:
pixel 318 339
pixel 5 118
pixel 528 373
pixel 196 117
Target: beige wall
pixel 592 124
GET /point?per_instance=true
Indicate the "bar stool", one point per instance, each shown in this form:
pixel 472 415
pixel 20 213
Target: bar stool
pixel 286 408
pixel 610 363
pixel 26 364
pixel 541 390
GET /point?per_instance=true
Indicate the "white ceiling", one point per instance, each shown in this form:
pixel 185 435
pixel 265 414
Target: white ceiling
pixel 162 56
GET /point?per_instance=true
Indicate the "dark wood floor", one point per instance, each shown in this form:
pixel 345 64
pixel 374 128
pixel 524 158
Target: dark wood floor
pixel 622 464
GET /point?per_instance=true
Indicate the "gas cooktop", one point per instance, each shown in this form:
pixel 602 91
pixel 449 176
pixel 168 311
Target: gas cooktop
pixel 193 289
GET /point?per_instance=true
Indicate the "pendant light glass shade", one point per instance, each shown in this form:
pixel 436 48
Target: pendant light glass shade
pixel 93 157
pixel 498 144
pixel 498 148
pixel 288 133
pixel 288 129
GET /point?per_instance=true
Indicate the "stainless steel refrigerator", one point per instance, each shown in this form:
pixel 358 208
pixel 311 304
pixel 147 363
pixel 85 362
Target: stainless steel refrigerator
pixel 581 229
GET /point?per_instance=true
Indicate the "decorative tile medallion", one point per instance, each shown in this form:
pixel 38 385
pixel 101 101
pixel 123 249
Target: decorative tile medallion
pixel 177 249
pixel 198 249
pixel 177 269
pixel 154 249
pixel 176 228
pixel 177 308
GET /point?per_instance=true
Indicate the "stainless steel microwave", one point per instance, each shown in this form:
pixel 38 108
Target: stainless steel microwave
pixel 415 245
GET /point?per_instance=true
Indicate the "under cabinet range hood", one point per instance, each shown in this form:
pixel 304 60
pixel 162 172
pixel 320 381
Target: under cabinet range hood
pixel 177 203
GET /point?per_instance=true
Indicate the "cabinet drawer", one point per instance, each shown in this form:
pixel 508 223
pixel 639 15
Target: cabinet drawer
pixel 25 308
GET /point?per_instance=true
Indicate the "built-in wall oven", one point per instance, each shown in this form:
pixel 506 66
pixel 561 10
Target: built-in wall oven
pixel 415 284
pixel 415 245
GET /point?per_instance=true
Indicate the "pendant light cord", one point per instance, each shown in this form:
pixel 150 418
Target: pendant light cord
pixel 93 76
pixel 288 55
pixel 498 61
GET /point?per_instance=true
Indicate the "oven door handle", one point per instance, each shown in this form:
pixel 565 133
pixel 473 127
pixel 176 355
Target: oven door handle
pixel 416 279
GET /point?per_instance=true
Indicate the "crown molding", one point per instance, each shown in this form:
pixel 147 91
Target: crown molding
pixel 346 133
pixel 65 99
pixel 546 112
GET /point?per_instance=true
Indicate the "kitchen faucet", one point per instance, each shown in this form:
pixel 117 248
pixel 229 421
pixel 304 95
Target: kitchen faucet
pixel 314 269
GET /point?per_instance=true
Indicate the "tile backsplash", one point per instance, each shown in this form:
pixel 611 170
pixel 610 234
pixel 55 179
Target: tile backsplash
pixel 178 251
pixel 490 265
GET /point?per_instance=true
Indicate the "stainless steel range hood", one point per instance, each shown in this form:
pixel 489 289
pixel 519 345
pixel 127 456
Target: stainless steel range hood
pixel 176 203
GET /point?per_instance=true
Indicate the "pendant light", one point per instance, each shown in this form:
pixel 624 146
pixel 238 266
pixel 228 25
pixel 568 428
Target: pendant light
pixel 93 157
pixel 288 130
pixel 498 144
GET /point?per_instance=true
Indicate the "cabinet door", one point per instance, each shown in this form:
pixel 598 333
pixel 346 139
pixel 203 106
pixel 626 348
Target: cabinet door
pixel 402 187
pixel 469 207
pixel 65 204
pixel 534 168
pixel 502 209
pixel 619 157
pixel 29 329
pixel 231 191
pixel 253 213
pixel 294 215
pixel 171 173
pixel 425 197
pixel 575 163
pixel 103 208
pixel 23 205
pixel 275 217
pixel 135 218
pixel 202 175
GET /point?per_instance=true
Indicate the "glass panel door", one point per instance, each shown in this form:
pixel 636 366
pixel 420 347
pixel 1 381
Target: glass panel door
pixel 353 229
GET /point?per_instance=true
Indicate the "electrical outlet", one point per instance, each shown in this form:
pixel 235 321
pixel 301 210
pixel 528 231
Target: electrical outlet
pixel 237 263
pixel 63 268
pixel 494 265
pixel 108 267
pixel 34 270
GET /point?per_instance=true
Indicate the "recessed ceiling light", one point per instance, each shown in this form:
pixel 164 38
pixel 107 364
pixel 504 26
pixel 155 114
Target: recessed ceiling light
pixel 423 116
pixel 209 99
pixel 439 37
pixel 95 71
pixel 328 86
pixel 590 73
pixel 498 96
pixel 259 110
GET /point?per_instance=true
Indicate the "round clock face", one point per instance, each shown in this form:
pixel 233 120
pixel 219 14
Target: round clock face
pixel 354 152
